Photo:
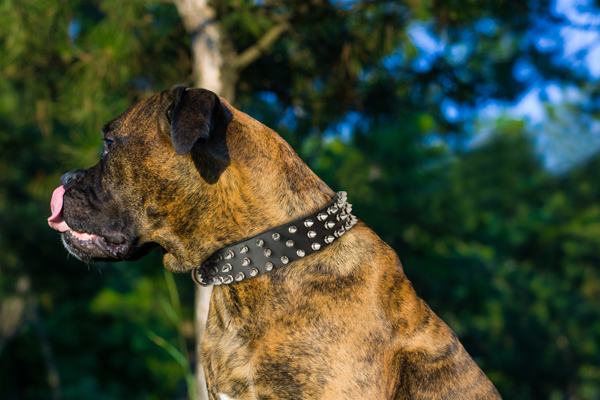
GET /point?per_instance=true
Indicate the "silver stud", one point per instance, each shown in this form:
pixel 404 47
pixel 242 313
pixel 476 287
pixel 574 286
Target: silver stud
pixel 267 252
pixel 285 260
pixel 341 216
pixel 350 223
pixel 329 225
pixel 312 234
pixel 215 270
pixel 332 210
pixel 230 254
pixel 269 266
pixel 300 253
pixel 217 280
pixel 254 271
pixel 246 262
pixel 308 223
pixel 292 229
pixel 216 258
pixel 227 267
pixel 342 197
pixel 228 279
pixel 348 208
pixel 289 243
pixel 339 232
pixel 315 246
pixel 240 276
pixel 322 216
pixel 329 239
pixel 260 243
pixel 276 236
pixel 244 249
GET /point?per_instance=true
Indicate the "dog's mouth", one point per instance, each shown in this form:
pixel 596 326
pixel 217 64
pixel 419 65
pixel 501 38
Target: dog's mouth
pixel 85 245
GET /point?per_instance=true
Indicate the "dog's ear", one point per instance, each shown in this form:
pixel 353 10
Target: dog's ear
pixel 193 115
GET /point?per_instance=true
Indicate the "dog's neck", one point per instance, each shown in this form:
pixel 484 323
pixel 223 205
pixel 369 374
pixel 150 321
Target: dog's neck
pixel 258 190
pixel 278 247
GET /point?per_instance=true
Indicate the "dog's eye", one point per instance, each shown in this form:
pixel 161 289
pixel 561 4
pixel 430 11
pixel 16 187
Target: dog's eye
pixel 108 144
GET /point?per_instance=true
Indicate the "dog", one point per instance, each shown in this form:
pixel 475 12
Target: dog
pixel 331 316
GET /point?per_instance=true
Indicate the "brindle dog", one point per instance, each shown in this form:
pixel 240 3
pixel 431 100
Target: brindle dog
pixel 186 172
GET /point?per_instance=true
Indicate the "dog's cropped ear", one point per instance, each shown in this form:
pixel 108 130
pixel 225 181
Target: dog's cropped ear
pixel 193 116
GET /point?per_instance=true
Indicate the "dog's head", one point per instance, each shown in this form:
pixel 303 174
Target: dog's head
pixel 155 179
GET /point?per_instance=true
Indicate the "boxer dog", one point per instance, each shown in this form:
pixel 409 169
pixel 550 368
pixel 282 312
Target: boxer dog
pixel 308 302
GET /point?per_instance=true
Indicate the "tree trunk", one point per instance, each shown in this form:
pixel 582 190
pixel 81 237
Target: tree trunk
pixel 216 67
pixel 213 67
pixel 199 19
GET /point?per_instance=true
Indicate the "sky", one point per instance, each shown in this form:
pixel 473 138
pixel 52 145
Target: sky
pixel 565 142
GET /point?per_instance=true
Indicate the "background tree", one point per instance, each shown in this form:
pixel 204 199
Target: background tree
pixel 464 134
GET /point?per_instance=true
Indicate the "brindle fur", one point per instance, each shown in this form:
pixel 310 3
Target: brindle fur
pixel 343 323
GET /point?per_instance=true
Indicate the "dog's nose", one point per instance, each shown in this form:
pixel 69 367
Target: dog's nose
pixel 72 176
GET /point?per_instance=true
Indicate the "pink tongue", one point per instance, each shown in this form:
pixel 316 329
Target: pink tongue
pixel 56 220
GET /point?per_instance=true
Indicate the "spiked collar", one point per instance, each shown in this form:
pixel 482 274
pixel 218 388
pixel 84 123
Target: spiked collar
pixel 279 246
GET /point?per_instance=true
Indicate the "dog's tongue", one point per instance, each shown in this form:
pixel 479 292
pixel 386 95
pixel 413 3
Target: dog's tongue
pixel 56 220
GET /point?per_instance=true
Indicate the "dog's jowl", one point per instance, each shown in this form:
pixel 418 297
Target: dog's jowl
pixel 308 302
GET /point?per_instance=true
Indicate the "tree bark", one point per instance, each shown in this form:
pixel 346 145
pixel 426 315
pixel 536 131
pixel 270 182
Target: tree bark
pixel 213 69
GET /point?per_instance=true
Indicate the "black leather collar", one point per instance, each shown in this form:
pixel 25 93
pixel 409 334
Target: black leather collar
pixel 278 247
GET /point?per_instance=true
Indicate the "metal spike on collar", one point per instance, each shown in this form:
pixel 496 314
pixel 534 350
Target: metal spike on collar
pixel 342 197
pixel 339 232
pixel 278 247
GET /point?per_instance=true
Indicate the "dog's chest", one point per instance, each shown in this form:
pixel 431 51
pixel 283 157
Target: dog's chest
pixel 300 356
